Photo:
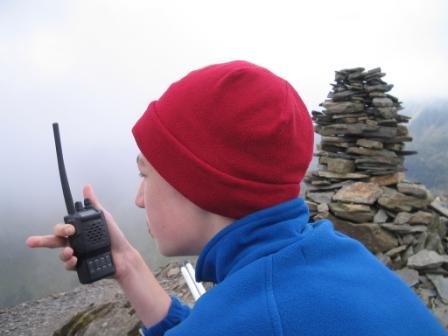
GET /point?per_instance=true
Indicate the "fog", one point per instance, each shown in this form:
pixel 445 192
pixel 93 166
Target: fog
pixel 93 66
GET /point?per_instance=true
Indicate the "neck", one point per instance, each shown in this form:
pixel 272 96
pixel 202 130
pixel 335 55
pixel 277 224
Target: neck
pixel 213 224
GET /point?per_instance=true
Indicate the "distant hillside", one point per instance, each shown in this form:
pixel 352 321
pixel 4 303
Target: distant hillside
pixel 429 128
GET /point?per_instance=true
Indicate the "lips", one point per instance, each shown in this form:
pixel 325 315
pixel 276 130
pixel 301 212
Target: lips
pixel 149 226
pixel 150 233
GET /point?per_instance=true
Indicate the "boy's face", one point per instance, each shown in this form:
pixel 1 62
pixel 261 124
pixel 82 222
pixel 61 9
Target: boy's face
pixel 178 226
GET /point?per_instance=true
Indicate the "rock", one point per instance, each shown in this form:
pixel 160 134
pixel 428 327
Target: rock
pixel 394 147
pixel 359 192
pixel 396 201
pixel 343 129
pixel 329 186
pixel 320 197
pixel 380 132
pixel 334 146
pixel 312 206
pixel 408 253
pixel 427 259
pixel 338 96
pixel 402 130
pixel 437 226
pixel 443 226
pixel 376 239
pixel 323 208
pixel 402 218
pixel 173 272
pixel 343 107
pixel 319 183
pixel 44 316
pixel 384 259
pixel 413 189
pixel 420 242
pixel 396 250
pixel 380 217
pixel 404 228
pixel 426 294
pixel 375 169
pixel 409 276
pixel 434 242
pixel 378 162
pixel 379 87
pixel 369 144
pixel 371 152
pixel 340 166
pixel 387 180
pixel 382 102
pixel 441 285
pixel 408 239
pixel 421 217
pixel 93 320
pixel 396 139
pixel 356 76
pixel 441 312
pixel 345 72
pixel 335 140
pixel 336 176
pixel 407 152
pixel 96 309
pixel 440 206
pixel 388 112
pixel 397 262
pixel 358 213
pixel 374 73
pixel 338 155
pixel 371 122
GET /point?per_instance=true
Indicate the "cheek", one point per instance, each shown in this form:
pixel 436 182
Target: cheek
pixel 156 208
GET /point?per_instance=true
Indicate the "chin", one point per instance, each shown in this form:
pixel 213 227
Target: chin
pixel 167 251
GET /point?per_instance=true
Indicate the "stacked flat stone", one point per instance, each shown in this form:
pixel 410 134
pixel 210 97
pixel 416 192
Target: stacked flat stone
pixel 361 186
pixel 361 128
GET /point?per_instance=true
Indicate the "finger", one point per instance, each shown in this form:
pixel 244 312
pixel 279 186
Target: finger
pixel 66 254
pixel 70 265
pixel 48 241
pixel 63 230
pixel 89 193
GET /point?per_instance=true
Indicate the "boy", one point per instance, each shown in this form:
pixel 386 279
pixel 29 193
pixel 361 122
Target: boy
pixel 223 152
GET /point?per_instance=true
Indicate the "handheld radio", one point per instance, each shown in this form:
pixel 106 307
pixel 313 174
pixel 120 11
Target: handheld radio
pixel 91 241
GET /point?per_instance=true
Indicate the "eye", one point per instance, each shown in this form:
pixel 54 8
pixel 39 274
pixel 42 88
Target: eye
pixel 141 175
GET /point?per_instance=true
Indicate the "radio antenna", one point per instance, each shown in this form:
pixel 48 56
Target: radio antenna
pixel 64 181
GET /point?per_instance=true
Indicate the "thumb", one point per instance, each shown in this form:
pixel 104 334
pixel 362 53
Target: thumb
pixel 89 193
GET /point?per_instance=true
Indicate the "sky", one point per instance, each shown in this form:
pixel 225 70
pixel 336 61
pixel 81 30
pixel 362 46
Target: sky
pixel 94 65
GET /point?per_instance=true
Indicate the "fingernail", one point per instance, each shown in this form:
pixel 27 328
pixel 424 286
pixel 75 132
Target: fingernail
pixel 69 231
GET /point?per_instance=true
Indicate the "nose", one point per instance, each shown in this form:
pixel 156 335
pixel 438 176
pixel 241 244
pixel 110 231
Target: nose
pixel 139 198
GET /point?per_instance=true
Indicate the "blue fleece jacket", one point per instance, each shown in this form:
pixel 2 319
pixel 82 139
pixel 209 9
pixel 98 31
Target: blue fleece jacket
pixel 277 274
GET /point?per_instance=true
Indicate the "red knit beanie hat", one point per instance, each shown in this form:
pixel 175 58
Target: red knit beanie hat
pixel 233 138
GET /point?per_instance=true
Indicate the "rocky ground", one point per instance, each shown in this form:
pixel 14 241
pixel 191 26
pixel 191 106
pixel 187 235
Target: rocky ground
pixel 96 309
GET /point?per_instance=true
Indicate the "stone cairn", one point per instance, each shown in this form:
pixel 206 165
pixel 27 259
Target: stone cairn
pixel 361 186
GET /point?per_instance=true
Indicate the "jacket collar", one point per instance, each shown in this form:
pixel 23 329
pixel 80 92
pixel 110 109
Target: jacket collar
pixel 251 237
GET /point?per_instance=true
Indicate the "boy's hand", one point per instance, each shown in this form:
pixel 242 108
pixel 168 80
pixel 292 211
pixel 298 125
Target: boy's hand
pixel 122 251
